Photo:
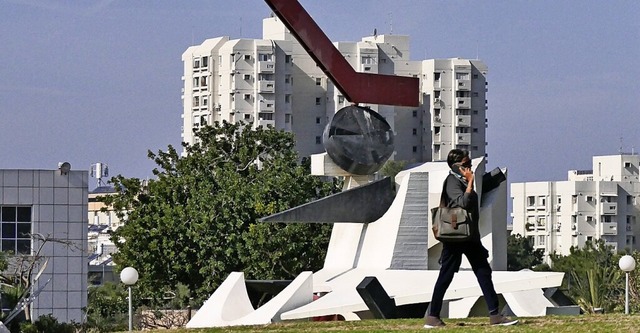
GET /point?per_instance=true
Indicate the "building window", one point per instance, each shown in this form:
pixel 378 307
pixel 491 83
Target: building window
pixel 247 57
pixel 541 240
pixel 531 201
pixel 247 96
pixel 265 116
pixel 415 149
pixel 287 79
pixel 287 98
pixel 287 118
pixel 16 229
pixel 247 77
pixel 287 59
pixel 264 57
pixel 196 100
pixel 196 63
pixel 318 140
pixel 205 61
pixel 415 131
pixel 318 81
pixel 462 76
pixel 205 100
pixel 414 113
pixel 340 99
pixel 317 100
pixel 436 76
pixel 317 120
pixel 542 201
pixel 247 116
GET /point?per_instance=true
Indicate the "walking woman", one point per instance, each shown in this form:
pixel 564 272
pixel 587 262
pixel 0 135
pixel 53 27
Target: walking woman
pixel 459 192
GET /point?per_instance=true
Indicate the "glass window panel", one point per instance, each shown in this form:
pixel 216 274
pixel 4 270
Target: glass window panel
pixel 8 214
pixel 8 245
pixel 24 246
pixel 8 230
pixel 24 214
pixel 24 229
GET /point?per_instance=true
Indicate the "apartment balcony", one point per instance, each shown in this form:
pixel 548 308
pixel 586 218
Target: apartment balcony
pixel 266 66
pixel 266 106
pixel 609 208
pixel 463 138
pixel 266 86
pixel 437 139
pixel 609 228
pixel 437 120
pixel 463 85
pixel 463 121
pixel 463 102
pixel 264 123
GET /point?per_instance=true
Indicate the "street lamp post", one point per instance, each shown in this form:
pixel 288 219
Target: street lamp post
pixel 627 264
pixel 129 276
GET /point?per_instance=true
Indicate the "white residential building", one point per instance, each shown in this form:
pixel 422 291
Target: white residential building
pixel 273 81
pixel 602 203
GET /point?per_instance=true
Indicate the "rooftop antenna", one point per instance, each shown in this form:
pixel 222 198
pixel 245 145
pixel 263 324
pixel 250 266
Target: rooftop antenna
pixel 240 27
pixel 620 149
pixel 99 170
pixel 390 23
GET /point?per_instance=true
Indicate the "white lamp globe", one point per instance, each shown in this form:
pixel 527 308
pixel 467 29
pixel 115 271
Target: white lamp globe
pixel 627 263
pixel 129 276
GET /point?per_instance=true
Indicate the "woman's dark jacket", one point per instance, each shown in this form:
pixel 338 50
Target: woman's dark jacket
pixel 456 196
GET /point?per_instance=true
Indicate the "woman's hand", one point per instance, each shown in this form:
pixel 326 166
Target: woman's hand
pixel 467 174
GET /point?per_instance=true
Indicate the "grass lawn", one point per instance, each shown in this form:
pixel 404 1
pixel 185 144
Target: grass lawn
pixel 603 323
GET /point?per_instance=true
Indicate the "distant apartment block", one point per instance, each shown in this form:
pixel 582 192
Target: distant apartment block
pixel 273 81
pixel 602 203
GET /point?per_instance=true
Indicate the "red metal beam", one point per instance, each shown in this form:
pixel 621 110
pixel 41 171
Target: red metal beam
pixel 356 87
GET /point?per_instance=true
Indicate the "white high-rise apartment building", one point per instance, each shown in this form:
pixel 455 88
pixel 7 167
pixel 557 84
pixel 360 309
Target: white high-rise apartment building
pixel 273 81
pixel 602 203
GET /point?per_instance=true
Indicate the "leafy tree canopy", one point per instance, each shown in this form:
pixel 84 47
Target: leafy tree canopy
pixel 521 254
pixel 592 276
pixel 196 222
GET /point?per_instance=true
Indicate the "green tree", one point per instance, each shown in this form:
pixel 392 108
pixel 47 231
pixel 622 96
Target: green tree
pixel 196 222
pixel 592 276
pixel 107 307
pixel 521 254
pixel 392 168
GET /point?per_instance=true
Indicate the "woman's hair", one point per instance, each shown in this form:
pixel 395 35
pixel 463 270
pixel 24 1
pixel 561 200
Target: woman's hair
pixel 456 156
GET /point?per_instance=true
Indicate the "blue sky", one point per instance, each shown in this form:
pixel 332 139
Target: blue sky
pixel 99 81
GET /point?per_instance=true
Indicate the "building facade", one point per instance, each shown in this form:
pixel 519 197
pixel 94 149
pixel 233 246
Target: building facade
pixel 602 203
pixel 51 205
pixel 273 81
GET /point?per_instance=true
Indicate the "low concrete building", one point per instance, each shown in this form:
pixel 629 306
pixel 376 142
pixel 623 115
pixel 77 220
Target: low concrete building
pixel 44 212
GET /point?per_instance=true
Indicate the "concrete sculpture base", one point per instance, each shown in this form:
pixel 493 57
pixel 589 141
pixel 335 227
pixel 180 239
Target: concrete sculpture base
pixel 399 250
